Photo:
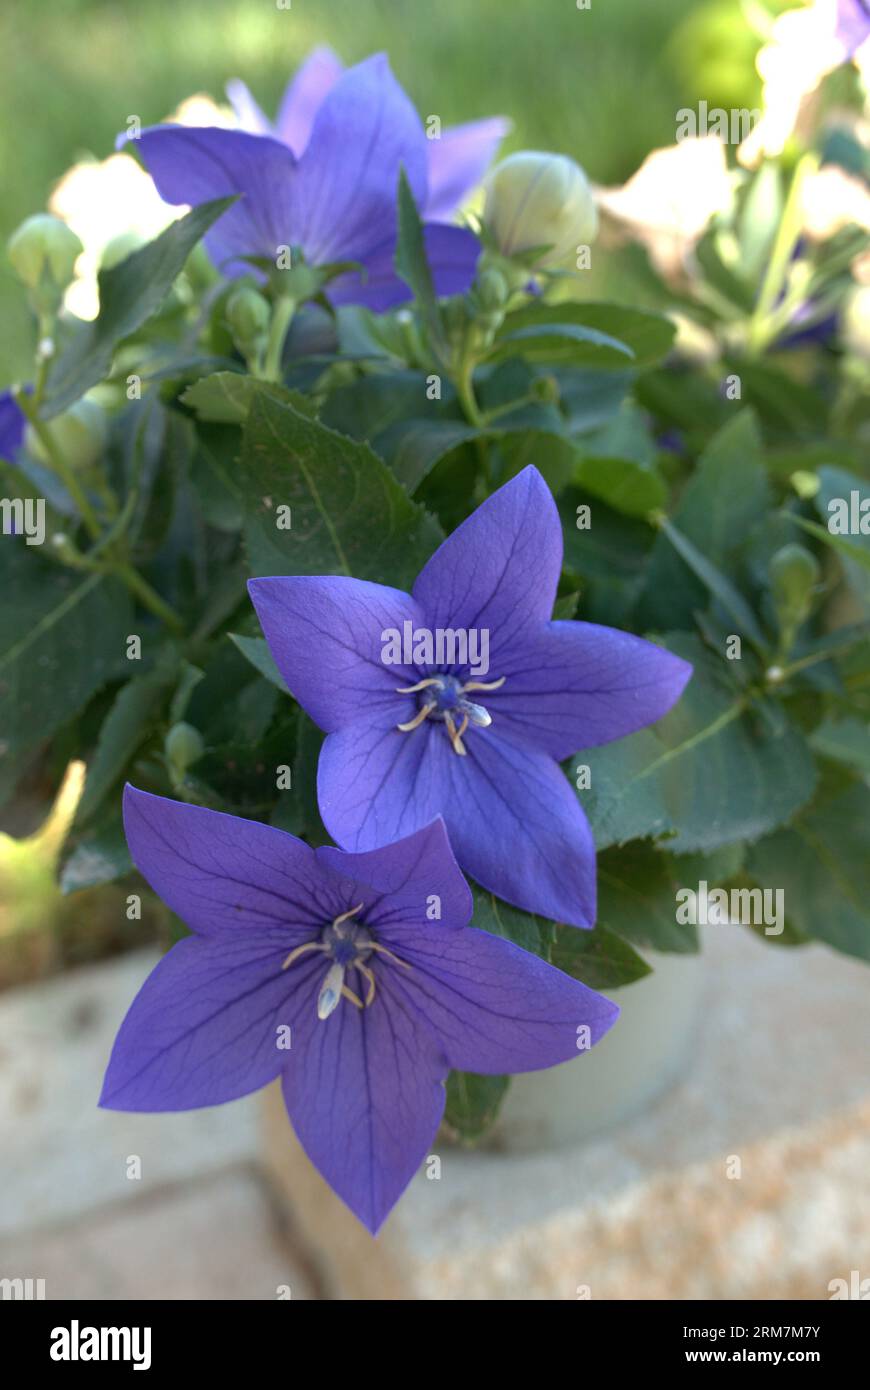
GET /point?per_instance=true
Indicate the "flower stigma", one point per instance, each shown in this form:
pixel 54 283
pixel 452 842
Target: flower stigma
pixel 350 945
pixel 446 700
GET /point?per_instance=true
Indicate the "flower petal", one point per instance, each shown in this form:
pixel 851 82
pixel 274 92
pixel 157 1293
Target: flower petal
pixel 206 1026
pixel 223 875
pixel 452 254
pixel 304 96
pixel 514 822
pixel 364 1092
pixel 248 112
pixel 499 570
pixel 576 685
pixel 458 162
pixel 406 875
pixel 12 426
pixel 494 1007
pixel 326 634
pixel 364 132
pixel 193 164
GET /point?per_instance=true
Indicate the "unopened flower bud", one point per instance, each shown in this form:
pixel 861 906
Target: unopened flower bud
pixel 794 574
pixel 491 290
pixel 79 434
pixel 43 252
pixel 546 390
pixel 248 315
pixel 183 746
pixel 535 199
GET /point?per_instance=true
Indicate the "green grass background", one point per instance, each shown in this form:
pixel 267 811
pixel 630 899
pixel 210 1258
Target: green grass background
pixel 602 84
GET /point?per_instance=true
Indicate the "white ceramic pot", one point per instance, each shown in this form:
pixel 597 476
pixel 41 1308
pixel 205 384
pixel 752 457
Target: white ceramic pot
pixel 644 1052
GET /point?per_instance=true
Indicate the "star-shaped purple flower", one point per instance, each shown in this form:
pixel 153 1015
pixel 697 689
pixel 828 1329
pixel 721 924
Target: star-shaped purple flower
pixel 327 186
pixel 457 160
pixel 418 738
pixel 353 977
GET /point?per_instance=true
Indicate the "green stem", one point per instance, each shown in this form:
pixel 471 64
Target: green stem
pixel 761 330
pixel 149 598
pixel 464 383
pixel 282 317
pixel 59 464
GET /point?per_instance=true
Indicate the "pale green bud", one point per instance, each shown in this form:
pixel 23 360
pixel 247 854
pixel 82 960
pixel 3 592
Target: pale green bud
pixel 535 199
pixel 248 315
pixel 80 435
pixel 183 746
pixel 794 573
pixel 43 252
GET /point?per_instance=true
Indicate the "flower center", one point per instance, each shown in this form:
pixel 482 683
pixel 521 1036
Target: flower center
pixel 445 699
pixel 349 946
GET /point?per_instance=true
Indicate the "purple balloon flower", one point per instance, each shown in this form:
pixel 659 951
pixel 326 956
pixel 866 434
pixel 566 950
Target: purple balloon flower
pixel 12 426
pixel 353 977
pixel 853 24
pixel 418 737
pixel 457 159
pixel 332 192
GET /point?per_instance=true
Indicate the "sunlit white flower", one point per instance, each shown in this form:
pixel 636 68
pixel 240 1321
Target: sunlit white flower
pixel 114 200
pixel 833 199
pixel 671 199
pixel 803 47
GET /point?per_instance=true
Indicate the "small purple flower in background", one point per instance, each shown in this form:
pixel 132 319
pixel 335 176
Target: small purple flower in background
pixel 413 741
pixel 457 160
pixel 853 24
pixel 328 186
pixel 323 968
pixel 12 426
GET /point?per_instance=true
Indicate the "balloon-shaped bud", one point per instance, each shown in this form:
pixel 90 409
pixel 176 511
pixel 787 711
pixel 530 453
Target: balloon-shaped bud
pixel 183 746
pixel 794 574
pixel 79 436
pixel 43 252
pixel 535 199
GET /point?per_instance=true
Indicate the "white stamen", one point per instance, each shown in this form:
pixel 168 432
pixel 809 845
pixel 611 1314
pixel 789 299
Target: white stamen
pixel 477 714
pixel 330 992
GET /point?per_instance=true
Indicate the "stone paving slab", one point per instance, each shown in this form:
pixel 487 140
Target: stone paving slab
pixel 60 1155
pixel 212 1238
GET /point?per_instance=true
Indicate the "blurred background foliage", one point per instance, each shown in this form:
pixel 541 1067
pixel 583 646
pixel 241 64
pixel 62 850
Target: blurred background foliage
pixel 602 84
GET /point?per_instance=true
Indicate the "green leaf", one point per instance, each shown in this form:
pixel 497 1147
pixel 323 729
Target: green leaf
pixel 727 494
pixel 713 771
pixel 256 649
pixel 523 928
pixel 62 636
pixel 598 958
pixel 131 719
pixel 822 865
pixel 130 293
pixel 845 741
pixel 225 397
pixel 349 514
pixel 410 260
pixel 586 335
pixel 719 585
pixel 473 1102
pixel 636 898
pixel 618 465
pixel 100 856
pixel 569 344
